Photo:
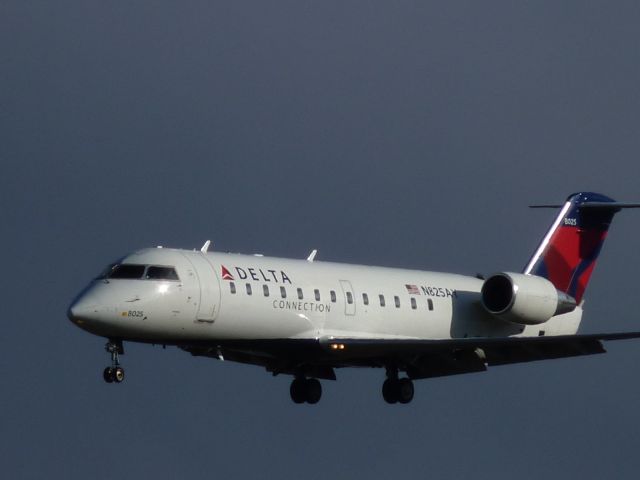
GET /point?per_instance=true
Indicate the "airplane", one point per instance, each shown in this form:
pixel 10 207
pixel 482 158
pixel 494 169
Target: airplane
pixel 307 318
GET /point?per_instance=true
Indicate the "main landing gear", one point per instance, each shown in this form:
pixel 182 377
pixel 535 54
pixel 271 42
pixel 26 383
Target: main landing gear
pixel 114 373
pixel 394 389
pixel 305 390
pixel 397 390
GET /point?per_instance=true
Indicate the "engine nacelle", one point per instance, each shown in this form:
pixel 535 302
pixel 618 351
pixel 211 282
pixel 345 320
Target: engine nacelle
pixel 524 299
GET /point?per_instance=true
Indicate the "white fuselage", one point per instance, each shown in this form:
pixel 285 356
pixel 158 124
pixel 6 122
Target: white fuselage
pixel 290 299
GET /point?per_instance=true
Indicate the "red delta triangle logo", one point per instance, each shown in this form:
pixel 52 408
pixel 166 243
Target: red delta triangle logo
pixel 226 275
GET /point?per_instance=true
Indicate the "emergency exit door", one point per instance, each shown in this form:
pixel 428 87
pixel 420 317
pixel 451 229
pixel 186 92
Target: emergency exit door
pixel 349 297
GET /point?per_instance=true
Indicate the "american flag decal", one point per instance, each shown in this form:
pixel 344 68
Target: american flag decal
pixel 412 289
pixel 226 275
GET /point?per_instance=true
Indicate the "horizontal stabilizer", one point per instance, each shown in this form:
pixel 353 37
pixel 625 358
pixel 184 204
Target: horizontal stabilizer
pixel 604 205
pixel 616 205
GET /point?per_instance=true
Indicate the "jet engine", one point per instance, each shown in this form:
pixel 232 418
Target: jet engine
pixel 524 299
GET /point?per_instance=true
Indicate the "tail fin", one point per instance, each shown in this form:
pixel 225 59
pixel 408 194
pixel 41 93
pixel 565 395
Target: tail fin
pixel 569 250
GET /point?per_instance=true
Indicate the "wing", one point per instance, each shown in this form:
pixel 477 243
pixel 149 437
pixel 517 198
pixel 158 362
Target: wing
pixel 419 358
pixel 434 358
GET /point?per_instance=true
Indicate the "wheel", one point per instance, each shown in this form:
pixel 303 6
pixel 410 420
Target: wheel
pixel 297 390
pixel 118 374
pixel 108 374
pixel 405 390
pixel 390 390
pixel 313 390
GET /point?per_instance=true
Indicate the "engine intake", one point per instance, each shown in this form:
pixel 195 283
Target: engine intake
pixel 524 299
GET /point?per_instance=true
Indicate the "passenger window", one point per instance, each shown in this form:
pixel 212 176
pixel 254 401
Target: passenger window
pixel 317 294
pixel 300 296
pixel 248 289
pixel 381 297
pixel 332 294
pixel 414 304
pixel 396 299
pixel 365 299
pixel 349 298
pixel 127 271
pixel 265 290
pixel 161 273
pixel 232 287
pixel 283 292
pixel 430 303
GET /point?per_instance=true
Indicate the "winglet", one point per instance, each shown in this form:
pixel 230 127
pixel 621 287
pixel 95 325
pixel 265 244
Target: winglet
pixel 205 247
pixel 312 255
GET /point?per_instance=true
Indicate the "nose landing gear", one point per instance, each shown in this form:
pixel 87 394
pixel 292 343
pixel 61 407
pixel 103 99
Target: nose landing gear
pixel 114 373
pixel 111 374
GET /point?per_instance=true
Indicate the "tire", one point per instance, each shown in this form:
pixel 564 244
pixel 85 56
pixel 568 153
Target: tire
pixel 405 390
pixel 297 390
pixel 390 391
pixel 118 374
pixel 108 374
pixel 313 391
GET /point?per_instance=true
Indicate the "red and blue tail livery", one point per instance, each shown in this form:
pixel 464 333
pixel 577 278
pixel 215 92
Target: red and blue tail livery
pixel 567 254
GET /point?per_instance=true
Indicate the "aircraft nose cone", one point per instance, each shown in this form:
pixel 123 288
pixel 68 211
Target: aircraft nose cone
pixel 93 311
pixel 81 311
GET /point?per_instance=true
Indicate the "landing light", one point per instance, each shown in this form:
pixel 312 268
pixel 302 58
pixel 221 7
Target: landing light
pixel 163 288
pixel 337 346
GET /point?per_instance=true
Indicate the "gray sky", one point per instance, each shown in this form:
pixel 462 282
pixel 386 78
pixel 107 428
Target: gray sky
pixel 400 133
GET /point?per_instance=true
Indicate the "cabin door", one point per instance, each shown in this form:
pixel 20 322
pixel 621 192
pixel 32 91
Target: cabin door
pixel 209 287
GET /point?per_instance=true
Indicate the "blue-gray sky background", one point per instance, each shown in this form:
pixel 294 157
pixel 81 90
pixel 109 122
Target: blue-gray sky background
pixel 404 133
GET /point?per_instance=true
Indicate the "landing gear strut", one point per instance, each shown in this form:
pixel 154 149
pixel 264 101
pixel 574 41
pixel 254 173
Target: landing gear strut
pixel 397 390
pixel 114 373
pixel 305 390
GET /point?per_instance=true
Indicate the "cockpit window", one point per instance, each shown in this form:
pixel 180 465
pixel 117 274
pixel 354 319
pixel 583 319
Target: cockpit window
pixel 161 273
pixel 125 270
pixel 139 272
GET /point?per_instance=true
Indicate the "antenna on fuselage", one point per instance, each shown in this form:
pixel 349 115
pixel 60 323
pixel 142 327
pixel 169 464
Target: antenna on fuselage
pixel 312 255
pixel 205 247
